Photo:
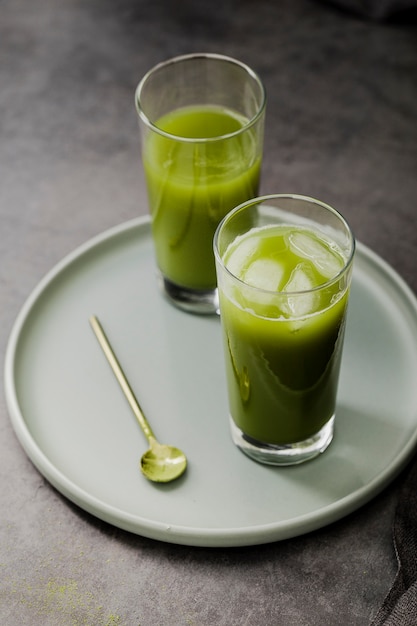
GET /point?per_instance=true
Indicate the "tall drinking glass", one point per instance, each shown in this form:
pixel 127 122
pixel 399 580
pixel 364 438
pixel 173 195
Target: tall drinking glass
pixel 201 119
pixel 284 265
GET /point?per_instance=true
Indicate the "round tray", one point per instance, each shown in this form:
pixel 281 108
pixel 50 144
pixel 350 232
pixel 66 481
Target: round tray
pixel 75 425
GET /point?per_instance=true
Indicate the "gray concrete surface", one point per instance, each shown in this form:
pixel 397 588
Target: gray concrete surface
pixel 341 126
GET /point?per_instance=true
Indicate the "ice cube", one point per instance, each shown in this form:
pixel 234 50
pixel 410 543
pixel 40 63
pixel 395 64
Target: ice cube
pixel 327 262
pixel 303 302
pixel 299 280
pixel 239 255
pixel 330 264
pixel 305 245
pixel 264 274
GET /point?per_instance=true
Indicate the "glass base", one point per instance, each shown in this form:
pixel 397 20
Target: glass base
pixel 286 454
pixel 202 302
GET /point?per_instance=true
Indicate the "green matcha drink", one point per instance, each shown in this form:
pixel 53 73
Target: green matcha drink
pixel 201 119
pixel 283 299
pixel 192 185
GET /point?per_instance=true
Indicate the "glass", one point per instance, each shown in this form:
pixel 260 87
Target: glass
pixel 284 265
pixel 201 119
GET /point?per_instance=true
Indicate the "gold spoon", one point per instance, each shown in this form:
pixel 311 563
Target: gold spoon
pixel 161 463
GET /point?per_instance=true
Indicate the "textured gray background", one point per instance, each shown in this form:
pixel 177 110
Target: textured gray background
pixel 341 126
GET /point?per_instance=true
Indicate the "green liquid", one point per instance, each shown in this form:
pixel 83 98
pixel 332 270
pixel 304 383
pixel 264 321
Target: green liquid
pixel 192 185
pixel 283 353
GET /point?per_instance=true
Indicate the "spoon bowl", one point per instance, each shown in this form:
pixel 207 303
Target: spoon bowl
pixel 161 463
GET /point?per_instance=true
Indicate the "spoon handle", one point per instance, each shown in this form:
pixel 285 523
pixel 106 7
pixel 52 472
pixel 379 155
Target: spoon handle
pixel 121 378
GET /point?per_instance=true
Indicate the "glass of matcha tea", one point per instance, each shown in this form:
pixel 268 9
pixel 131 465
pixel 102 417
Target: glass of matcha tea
pixel 201 119
pixel 284 265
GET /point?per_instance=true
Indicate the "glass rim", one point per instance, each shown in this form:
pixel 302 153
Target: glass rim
pixel 188 57
pixel 261 200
